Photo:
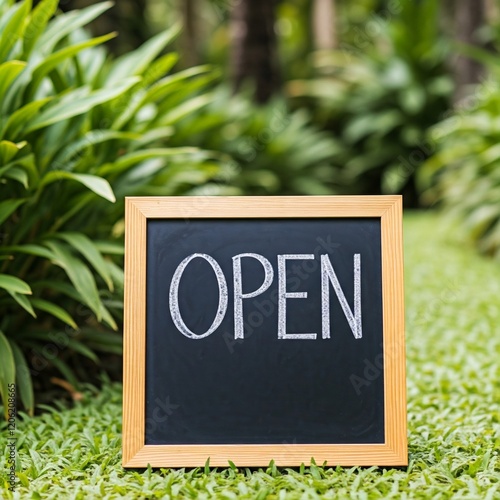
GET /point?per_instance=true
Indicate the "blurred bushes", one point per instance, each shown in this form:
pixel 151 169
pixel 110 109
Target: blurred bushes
pixel 380 100
pixel 464 173
pixel 273 150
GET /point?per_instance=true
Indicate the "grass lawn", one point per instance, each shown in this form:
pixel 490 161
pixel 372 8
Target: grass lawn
pixel 453 350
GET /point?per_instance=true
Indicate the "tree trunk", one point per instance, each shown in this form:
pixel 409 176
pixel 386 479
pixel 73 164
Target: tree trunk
pixel 254 50
pixel 447 17
pixel 190 33
pixel 492 11
pixel 468 18
pixel 324 24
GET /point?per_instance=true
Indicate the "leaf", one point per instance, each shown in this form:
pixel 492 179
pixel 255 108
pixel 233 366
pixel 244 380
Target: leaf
pixel 19 175
pixel 6 168
pixel 78 102
pixel 59 286
pixel 13 284
pixel 153 135
pixel 117 274
pixel 37 23
pixel 136 62
pixel 7 370
pixel 8 150
pixel 159 69
pixel 110 248
pixel 23 116
pixel 14 29
pixel 367 124
pixel 23 478
pixel 102 339
pixel 29 249
pixel 67 23
pixel 156 92
pixel 107 318
pixel 23 301
pixel 9 71
pixel 164 86
pixel 81 348
pixel 90 139
pixel 96 184
pixel 131 159
pixel 79 275
pixel 490 154
pixel 23 378
pixel 481 55
pixel 27 163
pixel 86 247
pixel 7 208
pixel 186 108
pixel 54 310
pixel 52 61
pixel 481 218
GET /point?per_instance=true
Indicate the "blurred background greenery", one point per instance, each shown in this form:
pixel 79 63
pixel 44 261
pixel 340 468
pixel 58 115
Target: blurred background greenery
pixel 236 97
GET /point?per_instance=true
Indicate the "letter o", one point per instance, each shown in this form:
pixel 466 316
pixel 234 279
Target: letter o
pixel 174 297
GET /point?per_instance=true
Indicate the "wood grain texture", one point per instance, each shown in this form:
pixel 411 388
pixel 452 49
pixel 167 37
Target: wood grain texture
pixel 233 207
pixel 138 210
pixel 260 455
pixel 134 332
pixel 394 336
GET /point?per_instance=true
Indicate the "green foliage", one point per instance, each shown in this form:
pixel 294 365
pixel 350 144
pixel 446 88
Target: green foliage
pixel 273 150
pixel 381 96
pixel 78 132
pixel 464 173
pixel 453 409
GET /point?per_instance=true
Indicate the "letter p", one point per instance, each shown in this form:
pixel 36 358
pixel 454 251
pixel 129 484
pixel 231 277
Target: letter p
pixel 238 288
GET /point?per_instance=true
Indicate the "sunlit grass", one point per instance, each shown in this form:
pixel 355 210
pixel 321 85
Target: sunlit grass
pixel 453 350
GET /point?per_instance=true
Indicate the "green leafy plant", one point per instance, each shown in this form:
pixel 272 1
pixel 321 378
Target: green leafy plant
pixel 380 98
pixel 273 150
pixel 78 131
pixel 464 173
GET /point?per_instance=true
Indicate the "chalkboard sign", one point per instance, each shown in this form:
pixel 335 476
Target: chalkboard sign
pixel 264 328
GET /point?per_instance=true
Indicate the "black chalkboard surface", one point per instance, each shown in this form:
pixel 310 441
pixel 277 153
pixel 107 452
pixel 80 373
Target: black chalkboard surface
pixel 263 389
pixel 261 332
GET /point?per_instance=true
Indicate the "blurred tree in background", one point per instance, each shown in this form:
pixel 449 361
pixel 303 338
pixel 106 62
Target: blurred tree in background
pixel 464 21
pixel 254 52
pixel 324 27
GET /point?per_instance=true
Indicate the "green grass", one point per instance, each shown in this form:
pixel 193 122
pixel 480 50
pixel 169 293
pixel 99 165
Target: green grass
pixel 453 350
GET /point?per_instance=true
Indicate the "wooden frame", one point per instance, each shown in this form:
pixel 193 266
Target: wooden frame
pixel 139 210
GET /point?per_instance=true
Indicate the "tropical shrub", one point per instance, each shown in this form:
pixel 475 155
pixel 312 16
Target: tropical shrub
pixel 78 132
pixel 273 150
pixel 380 98
pixel 464 173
